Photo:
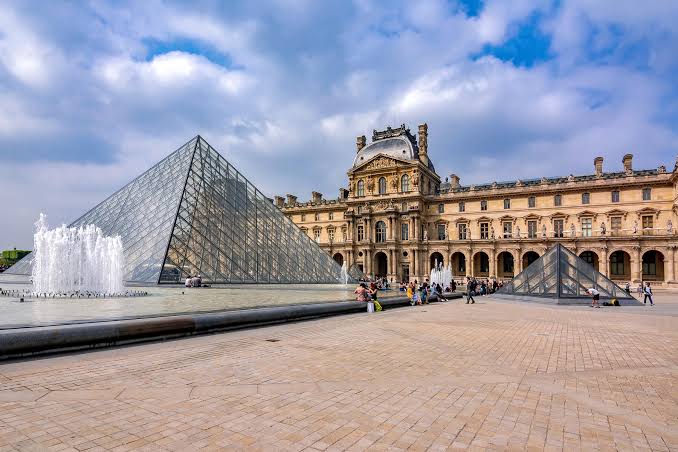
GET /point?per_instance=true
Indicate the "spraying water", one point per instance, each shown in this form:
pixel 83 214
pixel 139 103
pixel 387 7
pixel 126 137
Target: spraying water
pixel 344 277
pixel 441 275
pixel 68 260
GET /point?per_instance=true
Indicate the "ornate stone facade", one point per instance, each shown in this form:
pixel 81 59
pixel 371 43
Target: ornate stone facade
pixel 398 218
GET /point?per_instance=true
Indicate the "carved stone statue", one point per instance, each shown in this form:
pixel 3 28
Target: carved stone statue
pixel 447 233
pixel 370 184
pixel 603 228
pixel 425 235
pixel 492 232
pixel 635 227
pixel 543 231
pixel 468 234
pixel 394 182
pixel 669 227
pixel 516 233
pixel 573 230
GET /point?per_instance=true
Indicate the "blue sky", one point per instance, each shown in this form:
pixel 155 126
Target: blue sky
pixel 93 93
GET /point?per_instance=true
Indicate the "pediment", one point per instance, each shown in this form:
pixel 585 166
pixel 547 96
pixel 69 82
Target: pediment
pixel 532 216
pixel 616 212
pixel 648 211
pixel 380 161
pixel 587 213
pixel 559 215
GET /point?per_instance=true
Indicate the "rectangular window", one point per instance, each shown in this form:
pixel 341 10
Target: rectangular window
pixel 404 231
pixel 587 227
pixel 531 201
pixel 462 231
pixel 462 206
pixel 331 215
pixel 483 205
pixel 316 235
pixel 303 217
pixel 558 227
pixel 648 224
pixel 441 232
pixel 441 208
pixel 507 204
pixel 484 231
pixel 616 224
pixel 330 234
pixel 361 233
pixel 585 198
pixel 557 200
pixel 508 229
pixel 647 194
pixel 317 217
pixel 360 210
pixel 615 196
pixel 532 229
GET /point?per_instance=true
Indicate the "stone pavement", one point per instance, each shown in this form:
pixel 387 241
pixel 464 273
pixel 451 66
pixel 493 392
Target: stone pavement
pixel 494 375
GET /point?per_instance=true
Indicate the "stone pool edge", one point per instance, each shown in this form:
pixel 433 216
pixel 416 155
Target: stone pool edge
pixel 25 342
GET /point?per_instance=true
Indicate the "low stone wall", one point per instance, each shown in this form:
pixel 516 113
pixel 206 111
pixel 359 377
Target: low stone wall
pixel 18 342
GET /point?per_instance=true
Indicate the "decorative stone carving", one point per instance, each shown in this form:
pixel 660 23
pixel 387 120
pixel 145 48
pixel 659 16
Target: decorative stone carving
pixel 381 162
pixel 519 183
pixel 425 235
pixel 603 228
pixel 573 230
pixel 394 182
pixel 543 231
pixel 661 169
pixel 370 184
pixel 570 178
pixel 415 178
pixel 516 232
pixel 635 227
pixel 492 232
pixel 669 227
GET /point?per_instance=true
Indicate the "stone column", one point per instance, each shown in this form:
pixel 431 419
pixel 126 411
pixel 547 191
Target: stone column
pixel 604 266
pixel 415 229
pixel 670 274
pixel 493 263
pixel 394 253
pixel 414 263
pixel 390 228
pixel 636 265
pixel 470 268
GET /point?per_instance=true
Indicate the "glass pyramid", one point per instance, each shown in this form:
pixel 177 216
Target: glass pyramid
pixel 194 214
pixel 560 273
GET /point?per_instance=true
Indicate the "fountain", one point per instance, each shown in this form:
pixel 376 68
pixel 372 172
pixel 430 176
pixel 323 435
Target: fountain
pixel 76 261
pixel 441 275
pixel 344 274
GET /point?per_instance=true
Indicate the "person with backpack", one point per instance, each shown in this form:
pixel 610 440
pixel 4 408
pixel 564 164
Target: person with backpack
pixel 595 297
pixel 469 291
pixel 647 292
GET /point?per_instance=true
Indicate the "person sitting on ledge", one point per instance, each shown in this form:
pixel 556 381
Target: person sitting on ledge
pixel 361 292
pixel 188 282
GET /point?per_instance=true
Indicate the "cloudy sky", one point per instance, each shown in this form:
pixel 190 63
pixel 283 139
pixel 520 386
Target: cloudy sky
pixel 93 93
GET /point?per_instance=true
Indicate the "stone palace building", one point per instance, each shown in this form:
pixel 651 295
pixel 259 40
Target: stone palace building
pixel 398 218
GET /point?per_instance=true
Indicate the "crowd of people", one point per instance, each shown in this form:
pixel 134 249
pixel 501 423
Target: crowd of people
pixel 194 281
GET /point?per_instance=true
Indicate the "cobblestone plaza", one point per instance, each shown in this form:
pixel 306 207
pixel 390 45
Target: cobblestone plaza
pixel 495 375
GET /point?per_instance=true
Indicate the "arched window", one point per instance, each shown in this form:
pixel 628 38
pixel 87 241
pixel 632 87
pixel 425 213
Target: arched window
pixel 382 185
pixel 361 187
pixel 380 235
pixel 405 183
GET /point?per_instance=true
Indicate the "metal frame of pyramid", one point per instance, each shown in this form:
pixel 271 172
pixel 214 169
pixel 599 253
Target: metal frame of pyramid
pixel 562 275
pixel 193 214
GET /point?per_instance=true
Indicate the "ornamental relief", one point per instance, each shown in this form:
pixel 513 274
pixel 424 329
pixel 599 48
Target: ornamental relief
pixel 381 162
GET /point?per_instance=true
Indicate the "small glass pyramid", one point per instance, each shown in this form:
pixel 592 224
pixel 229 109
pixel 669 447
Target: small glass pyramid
pixel 194 214
pixel 560 273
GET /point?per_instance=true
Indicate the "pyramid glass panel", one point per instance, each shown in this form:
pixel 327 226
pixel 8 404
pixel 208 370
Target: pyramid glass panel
pixel 560 273
pixel 194 214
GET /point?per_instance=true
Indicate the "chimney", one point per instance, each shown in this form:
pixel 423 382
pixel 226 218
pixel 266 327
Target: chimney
pixel 454 181
pixel 316 197
pixel 343 193
pixel 279 202
pixel 291 200
pixel 423 143
pixel 598 164
pixel 360 142
pixel 628 163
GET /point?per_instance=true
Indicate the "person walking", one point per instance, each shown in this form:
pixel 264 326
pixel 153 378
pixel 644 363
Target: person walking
pixel 424 292
pixel 595 297
pixel 648 294
pixel 469 292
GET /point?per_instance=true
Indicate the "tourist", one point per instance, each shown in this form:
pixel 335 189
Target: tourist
pixel 373 292
pixel 410 293
pixel 453 285
pixel 469 291
pixel 424 292
pixel 595 297
pixel 639 289
pixel 188 282
pixel 648 294
pixel 362 293
pixel 627 287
